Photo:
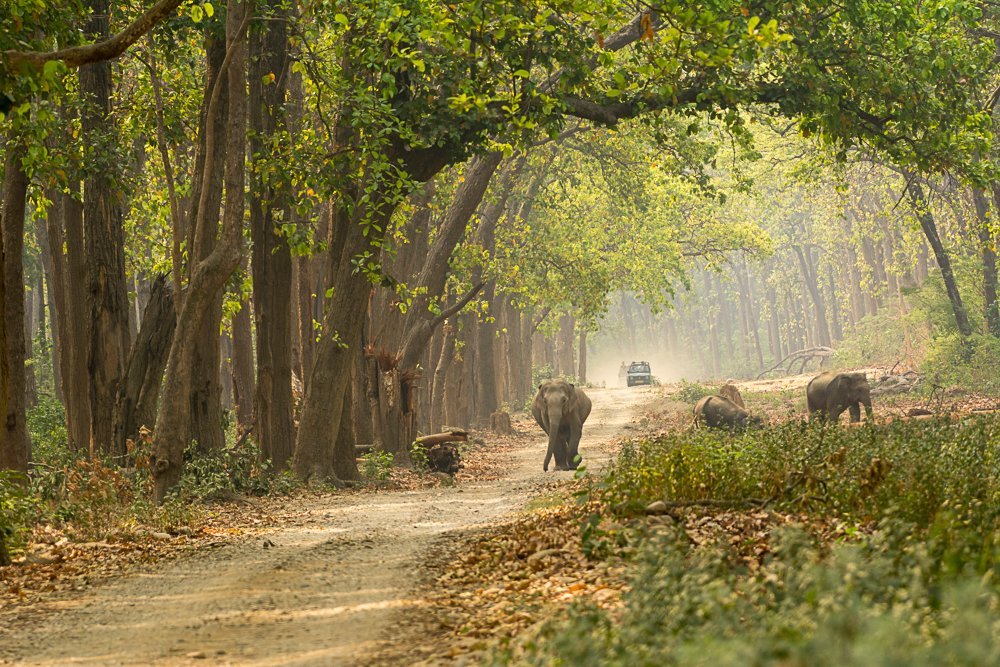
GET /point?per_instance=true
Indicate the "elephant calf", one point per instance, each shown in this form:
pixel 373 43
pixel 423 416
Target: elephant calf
pixel 829 394
pixel 720 412
pixel 561 408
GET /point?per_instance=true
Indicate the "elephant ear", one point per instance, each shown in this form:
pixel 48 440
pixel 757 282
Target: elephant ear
pixel 835 384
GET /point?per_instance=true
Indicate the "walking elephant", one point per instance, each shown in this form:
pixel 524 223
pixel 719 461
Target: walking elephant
pixel 829 394
pixel 561 408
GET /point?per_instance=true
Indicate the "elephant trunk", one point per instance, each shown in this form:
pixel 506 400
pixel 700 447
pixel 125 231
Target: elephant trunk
pixel 556 448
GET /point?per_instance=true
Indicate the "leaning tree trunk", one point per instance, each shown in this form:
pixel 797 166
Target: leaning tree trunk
pixel 107 300
pixel 941 255
pixel 15 448
pixel 138 393
pixel 209 275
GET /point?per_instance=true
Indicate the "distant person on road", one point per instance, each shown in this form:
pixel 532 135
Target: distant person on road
pixel 622 374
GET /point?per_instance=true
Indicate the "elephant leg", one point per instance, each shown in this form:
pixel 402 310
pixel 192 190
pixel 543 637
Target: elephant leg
pixel 855 410
pixel 548 458
pixel 573 448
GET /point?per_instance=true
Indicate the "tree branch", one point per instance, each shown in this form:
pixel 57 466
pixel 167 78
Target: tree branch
pixel 458 305
pixel 91 53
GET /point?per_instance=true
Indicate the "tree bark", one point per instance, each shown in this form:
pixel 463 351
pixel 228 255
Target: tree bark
pixel 138 393
pixel 243 368
pixel 581 376
pixel 271 256
pixel 15 447
pixel 78 414
pixel 105 243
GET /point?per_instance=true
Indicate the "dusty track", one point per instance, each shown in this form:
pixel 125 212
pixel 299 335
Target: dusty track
pixel 322 592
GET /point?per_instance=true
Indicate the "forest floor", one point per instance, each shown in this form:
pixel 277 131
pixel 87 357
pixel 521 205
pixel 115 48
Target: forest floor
pixel 324 580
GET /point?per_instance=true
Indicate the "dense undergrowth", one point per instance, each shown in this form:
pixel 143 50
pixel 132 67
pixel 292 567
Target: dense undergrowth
pixel 101 499
pixel 909 573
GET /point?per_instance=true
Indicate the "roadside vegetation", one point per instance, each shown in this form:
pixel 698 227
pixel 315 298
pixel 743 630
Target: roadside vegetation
pixel 796 544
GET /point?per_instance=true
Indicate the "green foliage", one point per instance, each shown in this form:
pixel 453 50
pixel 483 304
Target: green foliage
pixel 418 455
pixel 971 363
pixel 691 392
pixel 231 470
pixel 17 508
pixel 377 464
pixel 877 602
pixel 47 428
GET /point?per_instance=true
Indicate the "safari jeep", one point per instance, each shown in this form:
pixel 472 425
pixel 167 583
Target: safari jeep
pixel 638 373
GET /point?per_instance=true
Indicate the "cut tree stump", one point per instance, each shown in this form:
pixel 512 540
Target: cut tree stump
pixel 500 423
pixel 442 453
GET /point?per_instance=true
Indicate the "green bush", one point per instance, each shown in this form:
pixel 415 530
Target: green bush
pixel 377 464
pixel 233 469
pixel 857 474
pixel 691 392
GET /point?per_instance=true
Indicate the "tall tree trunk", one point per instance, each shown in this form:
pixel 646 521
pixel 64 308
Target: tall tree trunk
pixel 811 278
pixel 205 403
pixel 210 274
pixel 564 346
pixel 440 374
pixel 271 257
pixel 989 259
pixel 581 376
pixel 243 368
pixel 926 219
pixel 78 396
pixel 105 243
pixel 54 291
pixel 15 447
pixel 30 379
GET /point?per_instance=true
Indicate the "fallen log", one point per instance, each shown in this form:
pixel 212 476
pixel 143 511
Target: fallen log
pixel 440 438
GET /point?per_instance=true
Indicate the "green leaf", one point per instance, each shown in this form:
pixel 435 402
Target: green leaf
pixel 197 13
pixel 209 9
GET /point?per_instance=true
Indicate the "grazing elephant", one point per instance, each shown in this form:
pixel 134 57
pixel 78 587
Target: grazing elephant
pixel 560 409
pixel 830 393
pixel 720 412
pixel 730 391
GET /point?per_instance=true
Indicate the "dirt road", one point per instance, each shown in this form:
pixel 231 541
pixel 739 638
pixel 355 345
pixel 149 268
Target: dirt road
pixel 321 592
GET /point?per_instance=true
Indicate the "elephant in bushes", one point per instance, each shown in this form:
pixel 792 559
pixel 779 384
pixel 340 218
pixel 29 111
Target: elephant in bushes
pixel 560 408
pixel 830 393
pixel 720 412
